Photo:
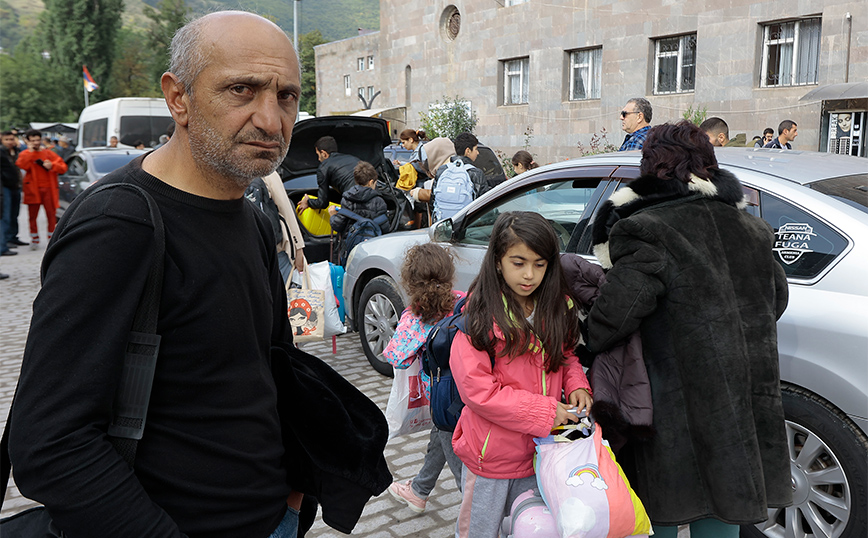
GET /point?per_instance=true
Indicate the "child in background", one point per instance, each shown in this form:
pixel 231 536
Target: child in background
pixel 362 199
pixel 518 308
pixel 523 161
pixel 427 276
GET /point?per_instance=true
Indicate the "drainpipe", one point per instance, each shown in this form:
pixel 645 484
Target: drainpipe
pixel 849 20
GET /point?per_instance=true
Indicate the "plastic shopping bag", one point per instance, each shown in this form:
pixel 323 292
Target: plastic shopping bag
pixel 306 309
pixel 321 278
pixel 408 410
pixel 586 490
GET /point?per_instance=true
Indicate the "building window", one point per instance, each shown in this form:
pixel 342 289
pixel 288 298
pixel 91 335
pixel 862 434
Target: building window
pixel 675 64
pixel 791 53
pixel 347 88
pixel 361 93
pixel 370 62
pixel 361 64
pixel 516 81
pixel 585 71
pixel 370 93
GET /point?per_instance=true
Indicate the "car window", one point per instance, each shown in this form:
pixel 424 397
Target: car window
pixel 804 245
pixel 77 167
pixel 146 129
pixel 103 164
pixel 852 190
pixel 562 203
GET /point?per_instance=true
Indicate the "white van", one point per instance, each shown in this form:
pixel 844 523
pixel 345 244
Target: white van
pixel 131 119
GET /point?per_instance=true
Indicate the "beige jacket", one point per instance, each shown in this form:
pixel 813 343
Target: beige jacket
pixel 293 240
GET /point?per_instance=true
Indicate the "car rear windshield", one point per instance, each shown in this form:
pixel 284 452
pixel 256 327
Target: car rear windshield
pixel 109 163
pixel 852 190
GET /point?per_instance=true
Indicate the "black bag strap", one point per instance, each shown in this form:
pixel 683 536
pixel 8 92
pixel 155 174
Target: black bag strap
pixel 134 390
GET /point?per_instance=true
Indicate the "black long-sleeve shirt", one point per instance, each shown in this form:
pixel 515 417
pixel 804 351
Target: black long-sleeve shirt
pixel 210 462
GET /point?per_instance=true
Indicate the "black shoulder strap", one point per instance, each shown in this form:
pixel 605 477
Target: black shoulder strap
pixel 134 390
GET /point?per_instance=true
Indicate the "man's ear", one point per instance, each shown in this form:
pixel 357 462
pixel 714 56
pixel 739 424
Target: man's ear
pixel 177 98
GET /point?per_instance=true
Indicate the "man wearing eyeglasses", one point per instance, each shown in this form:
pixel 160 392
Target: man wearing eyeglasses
pixel 635 119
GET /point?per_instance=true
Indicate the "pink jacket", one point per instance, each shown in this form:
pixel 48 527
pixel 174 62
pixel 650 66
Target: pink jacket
pixel 505 409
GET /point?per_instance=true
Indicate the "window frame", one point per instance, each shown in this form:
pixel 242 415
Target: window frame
pixel 371 62
pixel 796 53
pixel 523 74
pixel 594 67
pixel 348 88
pixel 680 65
pixel 360 64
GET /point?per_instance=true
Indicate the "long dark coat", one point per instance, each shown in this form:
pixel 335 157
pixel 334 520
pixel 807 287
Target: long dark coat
pixel 695 274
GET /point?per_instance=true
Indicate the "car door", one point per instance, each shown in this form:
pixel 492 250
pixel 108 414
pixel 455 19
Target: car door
pixel 564 197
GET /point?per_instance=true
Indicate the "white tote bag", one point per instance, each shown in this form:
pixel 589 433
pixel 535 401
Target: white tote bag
pixel 408 410
pixel 321 278
pixel 306 309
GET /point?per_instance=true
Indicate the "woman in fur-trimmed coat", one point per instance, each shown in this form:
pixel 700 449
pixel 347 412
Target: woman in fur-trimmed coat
pixel 695 274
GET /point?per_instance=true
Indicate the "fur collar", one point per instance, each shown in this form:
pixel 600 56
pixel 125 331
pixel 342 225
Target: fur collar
pixel 647 191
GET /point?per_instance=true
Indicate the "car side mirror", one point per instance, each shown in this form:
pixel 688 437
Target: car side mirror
pixel 441 232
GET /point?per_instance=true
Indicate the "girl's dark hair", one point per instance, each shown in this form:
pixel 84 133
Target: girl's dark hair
pixel 675 151
pixel 427 275
pixel 410 134
pixel 555 323
pixel 525 159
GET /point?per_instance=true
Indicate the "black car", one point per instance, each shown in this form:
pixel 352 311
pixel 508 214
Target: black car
pixel 362 137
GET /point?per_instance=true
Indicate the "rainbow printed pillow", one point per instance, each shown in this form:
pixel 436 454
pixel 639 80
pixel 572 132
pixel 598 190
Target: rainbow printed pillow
pixel 586 490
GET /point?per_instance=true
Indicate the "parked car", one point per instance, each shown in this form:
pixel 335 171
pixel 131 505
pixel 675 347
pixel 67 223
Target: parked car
pixel 86 167
pixel 396 152
pixel 362 137
pixel 817 204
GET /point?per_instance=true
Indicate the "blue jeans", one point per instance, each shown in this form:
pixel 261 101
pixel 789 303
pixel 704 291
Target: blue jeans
pixel 11 208
pixel 288 527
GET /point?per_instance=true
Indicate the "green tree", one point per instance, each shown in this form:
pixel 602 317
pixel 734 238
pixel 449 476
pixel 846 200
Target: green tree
pixel 165 21
pixel 696 116
pixel 306 43
pixel 28 85
pixel 78 33
pixel 131 72
pixel 449 118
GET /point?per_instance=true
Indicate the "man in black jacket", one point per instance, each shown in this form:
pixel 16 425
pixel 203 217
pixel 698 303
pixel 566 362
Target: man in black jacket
pixel 11 178
pixel 335 171
pixel 220 454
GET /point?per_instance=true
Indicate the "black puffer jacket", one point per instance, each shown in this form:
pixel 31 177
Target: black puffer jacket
pixel 695 274
pixel 365 202
pixel 336 173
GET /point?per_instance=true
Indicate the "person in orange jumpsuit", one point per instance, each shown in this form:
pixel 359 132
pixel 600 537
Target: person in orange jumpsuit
pixel 40 184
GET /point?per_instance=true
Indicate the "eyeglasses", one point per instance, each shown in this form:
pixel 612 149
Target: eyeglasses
pixel 624 113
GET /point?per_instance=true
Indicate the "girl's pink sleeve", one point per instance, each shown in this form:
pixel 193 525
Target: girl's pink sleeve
pixel 574 374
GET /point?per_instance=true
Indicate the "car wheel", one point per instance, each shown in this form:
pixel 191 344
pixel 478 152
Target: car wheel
pixel 829 462
pixel 380 308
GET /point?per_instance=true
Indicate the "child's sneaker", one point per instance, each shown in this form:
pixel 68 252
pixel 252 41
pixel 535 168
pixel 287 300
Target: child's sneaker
pixel 402 491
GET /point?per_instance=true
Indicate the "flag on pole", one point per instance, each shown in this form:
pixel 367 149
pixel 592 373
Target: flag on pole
pixel 89 84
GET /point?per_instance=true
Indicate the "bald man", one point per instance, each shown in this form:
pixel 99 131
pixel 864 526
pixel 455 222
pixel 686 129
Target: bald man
pixel 211 461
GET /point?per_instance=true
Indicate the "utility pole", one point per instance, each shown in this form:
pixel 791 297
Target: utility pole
pixel 295 24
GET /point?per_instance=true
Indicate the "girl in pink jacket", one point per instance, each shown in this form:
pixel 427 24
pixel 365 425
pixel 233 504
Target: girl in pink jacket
pixel 518 308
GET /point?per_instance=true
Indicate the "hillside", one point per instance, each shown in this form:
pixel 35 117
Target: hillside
pixel 336 19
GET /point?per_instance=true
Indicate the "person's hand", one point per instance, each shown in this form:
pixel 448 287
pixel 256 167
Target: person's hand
pixel 333 210
pixel 299 260
pixel 581 399
pixel 47 165
pixel 303 204
pixel 563 415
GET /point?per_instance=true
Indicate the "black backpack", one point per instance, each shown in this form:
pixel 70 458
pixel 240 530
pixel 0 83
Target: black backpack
pixel 258 194
pixel 360 230
pixel 446 402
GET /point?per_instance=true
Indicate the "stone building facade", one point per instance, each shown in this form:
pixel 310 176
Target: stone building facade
pixel 557 73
